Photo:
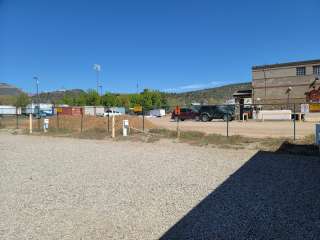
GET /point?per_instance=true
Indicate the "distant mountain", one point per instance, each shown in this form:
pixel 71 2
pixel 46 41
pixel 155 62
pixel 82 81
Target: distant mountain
pixel 210 95
pixel 9 90
pixel 55 96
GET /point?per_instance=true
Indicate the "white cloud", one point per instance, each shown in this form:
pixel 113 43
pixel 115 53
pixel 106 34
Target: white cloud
pixel 195 86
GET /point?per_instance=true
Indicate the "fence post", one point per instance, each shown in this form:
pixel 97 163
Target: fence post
pixel 143 120
pixel 108 124
pixel 113 127
pixel 294 122
pixel 81 123
pixel 39 123
pixel 178 129
pixel 227 126
pixel 58 120
pixel 17 119
pixel 30 123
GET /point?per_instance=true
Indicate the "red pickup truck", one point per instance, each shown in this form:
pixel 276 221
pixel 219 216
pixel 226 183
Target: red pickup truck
pixel 185 113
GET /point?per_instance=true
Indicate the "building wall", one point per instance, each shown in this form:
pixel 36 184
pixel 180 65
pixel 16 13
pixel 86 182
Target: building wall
pixel 270 84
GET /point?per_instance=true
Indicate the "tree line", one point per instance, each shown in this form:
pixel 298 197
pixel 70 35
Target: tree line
pixel 148 99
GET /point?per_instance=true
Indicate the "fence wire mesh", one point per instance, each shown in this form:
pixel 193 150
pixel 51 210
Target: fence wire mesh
pixel 254 120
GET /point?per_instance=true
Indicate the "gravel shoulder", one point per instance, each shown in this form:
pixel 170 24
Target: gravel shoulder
pixel 64 188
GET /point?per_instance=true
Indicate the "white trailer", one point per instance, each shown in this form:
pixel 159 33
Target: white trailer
pixel 272 115
pixel 157 113
pixel 9 110
pixel 44 107
pixel 94 110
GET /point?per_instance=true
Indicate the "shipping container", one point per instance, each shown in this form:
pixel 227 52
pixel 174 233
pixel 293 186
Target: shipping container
pixel 9 110
pixel 72 111
pixel 94 110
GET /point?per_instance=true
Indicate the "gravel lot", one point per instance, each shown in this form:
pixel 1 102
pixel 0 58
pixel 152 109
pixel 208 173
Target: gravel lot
pixel 248 128
pixel 60 188
pixel 63 188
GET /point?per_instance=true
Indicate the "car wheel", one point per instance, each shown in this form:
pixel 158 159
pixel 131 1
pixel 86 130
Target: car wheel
pixel 204 118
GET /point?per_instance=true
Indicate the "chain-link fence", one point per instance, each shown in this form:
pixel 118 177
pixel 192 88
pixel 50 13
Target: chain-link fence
pixel 252 120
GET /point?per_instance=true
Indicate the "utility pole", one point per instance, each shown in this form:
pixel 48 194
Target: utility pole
pixel 38 97
pixel 97 68
pixel 137 87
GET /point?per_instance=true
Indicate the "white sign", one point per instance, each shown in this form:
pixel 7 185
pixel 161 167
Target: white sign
pixel 304 108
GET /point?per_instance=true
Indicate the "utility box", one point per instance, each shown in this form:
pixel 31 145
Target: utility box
pixel 125 127
pixel 45 124
pixel 317 134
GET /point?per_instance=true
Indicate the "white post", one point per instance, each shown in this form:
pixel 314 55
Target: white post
pixel 30 123
pixel 113 127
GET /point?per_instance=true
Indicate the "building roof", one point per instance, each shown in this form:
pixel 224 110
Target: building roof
pixel 315 61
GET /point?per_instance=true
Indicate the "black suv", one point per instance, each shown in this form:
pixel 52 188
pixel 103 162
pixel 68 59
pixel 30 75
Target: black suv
pixel 209 112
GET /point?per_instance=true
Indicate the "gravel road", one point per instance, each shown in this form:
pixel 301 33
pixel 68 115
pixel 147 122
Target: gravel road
pixel 60 188
pixel 63 188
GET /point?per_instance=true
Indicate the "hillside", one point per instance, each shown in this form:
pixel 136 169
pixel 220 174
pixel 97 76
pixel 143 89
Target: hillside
pixel 210 95
pixel 9 90
pixel 55 96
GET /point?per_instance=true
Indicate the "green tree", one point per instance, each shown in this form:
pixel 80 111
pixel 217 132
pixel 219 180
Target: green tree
pixel 110 100
pixel 93 98
pixel 22 100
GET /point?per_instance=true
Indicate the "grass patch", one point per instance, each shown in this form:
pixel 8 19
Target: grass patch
pixel 303 146
pixel 200 138
pixel 93 133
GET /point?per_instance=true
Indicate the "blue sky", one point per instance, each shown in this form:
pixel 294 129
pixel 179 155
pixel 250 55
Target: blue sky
pixel 173 45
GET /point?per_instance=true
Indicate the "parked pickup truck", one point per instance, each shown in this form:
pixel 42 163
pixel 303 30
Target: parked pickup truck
pixel 209 112
pixel 185 113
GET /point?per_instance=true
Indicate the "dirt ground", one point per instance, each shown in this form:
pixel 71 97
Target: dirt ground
pixel 276 129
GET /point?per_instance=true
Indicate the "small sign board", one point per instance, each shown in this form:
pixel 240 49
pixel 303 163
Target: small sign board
pixel 59 110
pixel 137 108
pixel 177 111
pixel 314 107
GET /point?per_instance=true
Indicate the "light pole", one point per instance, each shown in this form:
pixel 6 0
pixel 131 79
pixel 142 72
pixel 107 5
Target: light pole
pixel 97 68
pixel 37 84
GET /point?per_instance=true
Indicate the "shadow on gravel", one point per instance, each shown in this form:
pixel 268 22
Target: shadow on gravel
pixel 272 196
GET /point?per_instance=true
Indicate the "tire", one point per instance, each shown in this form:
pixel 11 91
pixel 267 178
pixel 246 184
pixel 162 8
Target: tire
pixel 205 118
